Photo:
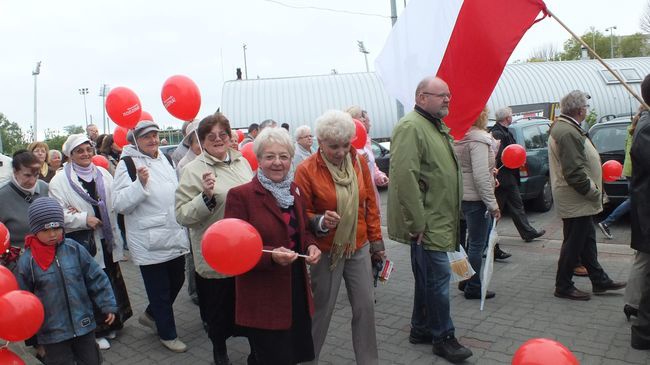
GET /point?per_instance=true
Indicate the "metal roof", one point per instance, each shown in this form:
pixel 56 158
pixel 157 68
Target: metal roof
pixel 300 100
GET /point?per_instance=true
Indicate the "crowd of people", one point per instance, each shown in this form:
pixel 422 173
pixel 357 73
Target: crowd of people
pixel 318 213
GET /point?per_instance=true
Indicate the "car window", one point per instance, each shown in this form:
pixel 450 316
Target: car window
pixel 376 150
pixel 610 138
pixel 545 130
pixel 533 138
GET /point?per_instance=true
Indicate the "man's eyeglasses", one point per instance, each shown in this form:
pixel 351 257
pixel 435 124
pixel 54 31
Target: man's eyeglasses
pixel 441 95
pixel 222 135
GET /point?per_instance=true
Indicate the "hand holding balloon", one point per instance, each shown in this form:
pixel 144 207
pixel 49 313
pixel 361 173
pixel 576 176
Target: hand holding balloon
pixel 207 181
pixel 143 175
pixel 314 255
pixel 284 256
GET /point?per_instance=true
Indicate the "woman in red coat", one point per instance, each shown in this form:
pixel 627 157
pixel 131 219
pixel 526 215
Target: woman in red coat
pixel 273 304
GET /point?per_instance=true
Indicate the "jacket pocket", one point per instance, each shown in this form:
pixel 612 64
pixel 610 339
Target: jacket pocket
pixel 156 232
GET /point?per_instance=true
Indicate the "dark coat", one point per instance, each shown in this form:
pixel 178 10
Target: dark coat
pixel 506 176
pixel 640 185
pixel 263 295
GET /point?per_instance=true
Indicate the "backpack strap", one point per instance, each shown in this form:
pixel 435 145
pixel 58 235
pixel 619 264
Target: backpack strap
pixel 130 166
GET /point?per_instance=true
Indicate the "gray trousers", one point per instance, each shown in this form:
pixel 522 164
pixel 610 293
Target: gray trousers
pixel 358 281
pixel 640 266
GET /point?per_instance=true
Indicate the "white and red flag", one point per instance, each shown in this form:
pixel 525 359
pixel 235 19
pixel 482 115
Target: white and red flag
pixel 465 42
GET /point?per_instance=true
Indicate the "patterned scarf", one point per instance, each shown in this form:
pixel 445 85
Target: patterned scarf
pixel 107 230
pixel 281 191
pixel 347 207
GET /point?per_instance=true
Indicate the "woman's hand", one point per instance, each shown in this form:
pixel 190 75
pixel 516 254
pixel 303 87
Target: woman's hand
pixel 93 222
pixel 143 175
pixel 330 219
pixel 284 256
pixel 208 181
pixel 314 255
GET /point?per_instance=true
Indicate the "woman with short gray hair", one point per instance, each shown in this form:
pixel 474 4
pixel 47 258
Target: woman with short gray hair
pixel 341 204
pixel 304 142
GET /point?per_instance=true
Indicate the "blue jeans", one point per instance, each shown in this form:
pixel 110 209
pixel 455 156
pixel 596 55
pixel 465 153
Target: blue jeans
pixel 431 299
pixel 623 208
pixel 478 225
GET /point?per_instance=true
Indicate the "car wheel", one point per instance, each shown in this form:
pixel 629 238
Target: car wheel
pixel 544 201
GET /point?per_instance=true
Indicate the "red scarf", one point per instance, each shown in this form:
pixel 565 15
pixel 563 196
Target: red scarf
pixel 43 254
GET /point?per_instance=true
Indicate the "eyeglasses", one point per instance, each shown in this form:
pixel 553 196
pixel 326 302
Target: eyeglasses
pixel 213 137
pixel 441 95
pixel 307 136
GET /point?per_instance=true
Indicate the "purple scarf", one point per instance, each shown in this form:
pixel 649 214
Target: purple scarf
pixel 107 230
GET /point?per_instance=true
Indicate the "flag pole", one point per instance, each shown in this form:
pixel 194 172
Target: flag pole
pixel 616 75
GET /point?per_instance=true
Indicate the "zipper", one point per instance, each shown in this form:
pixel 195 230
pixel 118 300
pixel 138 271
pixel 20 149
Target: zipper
pixel 67 299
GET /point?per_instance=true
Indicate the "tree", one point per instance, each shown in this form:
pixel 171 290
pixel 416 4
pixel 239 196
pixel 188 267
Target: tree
pixel 595 39
pixel 633 45
pixel 12 136
pixel 73 129
pixel 645 19
pixel 546 52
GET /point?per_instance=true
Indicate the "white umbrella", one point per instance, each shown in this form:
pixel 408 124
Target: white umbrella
pixel 489 262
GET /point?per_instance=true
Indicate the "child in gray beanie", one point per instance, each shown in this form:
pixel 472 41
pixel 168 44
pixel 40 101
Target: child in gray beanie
pixel 67 280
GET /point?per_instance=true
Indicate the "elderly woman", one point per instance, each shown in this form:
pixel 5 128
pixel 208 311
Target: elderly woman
pixel 111 151
pixel 477 160
pixel 200 201
pixel 145 182
pixel 56 160
pixel 304 142
pixel 274 302
pixel 194 145
pixel 84 192
pixel 341 204
pixel 16 196
pixel 42 152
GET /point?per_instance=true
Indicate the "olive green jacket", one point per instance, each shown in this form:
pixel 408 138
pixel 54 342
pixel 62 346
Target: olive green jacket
pixel 425 189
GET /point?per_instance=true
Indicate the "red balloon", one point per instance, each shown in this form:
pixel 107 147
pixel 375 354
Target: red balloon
pixel 4 238
pixel 7 281
pixel 100 160
pixel 249 155
pixel 181 97
pixel 240 134
pixel 123 106
pixel 231 246
pixel 119 136
pixel 361 135
pixel 542 351
pixel 612 170
pixel 22 315
pixel 146 116
pixel 9 358
pixel 513 156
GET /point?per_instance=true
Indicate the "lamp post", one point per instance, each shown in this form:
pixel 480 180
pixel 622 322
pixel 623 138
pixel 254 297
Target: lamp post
pixel 103 92
pixel 84 92
pixel 245 66
pixel 35 73
pixel 362 49
pixel 611 40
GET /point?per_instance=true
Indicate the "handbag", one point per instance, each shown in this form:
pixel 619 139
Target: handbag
pixel 460 266
pixel 86 238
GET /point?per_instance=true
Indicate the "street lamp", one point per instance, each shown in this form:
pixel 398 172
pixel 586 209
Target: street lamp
pixel 245 66
pixel 84 92
pixel 362 49
pixel 103 92
pixel 35 73
pixel 611 40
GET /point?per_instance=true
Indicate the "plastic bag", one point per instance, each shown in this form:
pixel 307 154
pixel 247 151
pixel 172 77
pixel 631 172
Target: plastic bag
pixel 460 266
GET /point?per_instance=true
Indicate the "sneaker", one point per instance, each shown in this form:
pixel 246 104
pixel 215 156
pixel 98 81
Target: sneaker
pixel 174 345
pixel 146 320
pixel 103 343
pixel 605 229
pixel 450 349
pixel 111 335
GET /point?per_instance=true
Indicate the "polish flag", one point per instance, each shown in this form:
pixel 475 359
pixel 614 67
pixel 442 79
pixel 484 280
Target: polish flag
pixel 465 42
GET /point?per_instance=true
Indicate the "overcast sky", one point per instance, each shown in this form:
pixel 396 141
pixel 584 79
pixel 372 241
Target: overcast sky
pixel 139 44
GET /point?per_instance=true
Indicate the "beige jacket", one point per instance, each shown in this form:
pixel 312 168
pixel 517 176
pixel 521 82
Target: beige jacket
pixel 191 210
pixel 477 159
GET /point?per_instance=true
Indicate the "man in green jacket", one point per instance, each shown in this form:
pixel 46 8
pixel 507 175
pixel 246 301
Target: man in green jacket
pixel 424 211
pixel 576 181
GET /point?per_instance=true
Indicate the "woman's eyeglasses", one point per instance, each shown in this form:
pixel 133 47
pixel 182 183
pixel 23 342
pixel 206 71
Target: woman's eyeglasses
pixel 222 135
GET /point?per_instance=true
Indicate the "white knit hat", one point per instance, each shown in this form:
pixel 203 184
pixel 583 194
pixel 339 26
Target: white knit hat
pixel 73 141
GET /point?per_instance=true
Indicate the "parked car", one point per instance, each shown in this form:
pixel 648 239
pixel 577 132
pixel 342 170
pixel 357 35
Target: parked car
pixel 382 156
pixel 609 139
pixel 532 133
pixel 168 150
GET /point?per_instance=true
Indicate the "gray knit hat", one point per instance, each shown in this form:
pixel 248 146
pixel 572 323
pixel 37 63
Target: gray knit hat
pixel 45 213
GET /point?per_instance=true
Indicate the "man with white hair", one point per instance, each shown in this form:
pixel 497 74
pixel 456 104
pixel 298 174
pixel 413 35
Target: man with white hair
pixel 576 180
pixel 93 132
pixel 304 142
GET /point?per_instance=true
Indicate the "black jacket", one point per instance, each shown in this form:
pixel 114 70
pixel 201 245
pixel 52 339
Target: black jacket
pixel 640 185
pixel 506 176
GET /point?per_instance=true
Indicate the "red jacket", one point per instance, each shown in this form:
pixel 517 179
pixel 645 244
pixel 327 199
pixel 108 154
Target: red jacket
pixel 263 295
pixel 319 192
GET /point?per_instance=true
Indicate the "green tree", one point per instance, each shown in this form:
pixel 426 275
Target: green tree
pixel 633 45
pixel 73 129
pixel 595 39
pixel 12 136
pixel 55 142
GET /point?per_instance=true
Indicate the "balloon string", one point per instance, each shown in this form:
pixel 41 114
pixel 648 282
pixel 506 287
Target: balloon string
pixel 270 251
pixel 5 346
pixel 200 148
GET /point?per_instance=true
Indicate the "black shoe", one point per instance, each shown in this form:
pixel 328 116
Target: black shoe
pixel 605 229
pixel 462 284
pixel 630 311
pixel 499 254
pixel 488 295
pixel 537 234
pixel 416 339
pixel 610 285
pixel 221 359
pixel 573 294
pixel 639 343
pixel 450 349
